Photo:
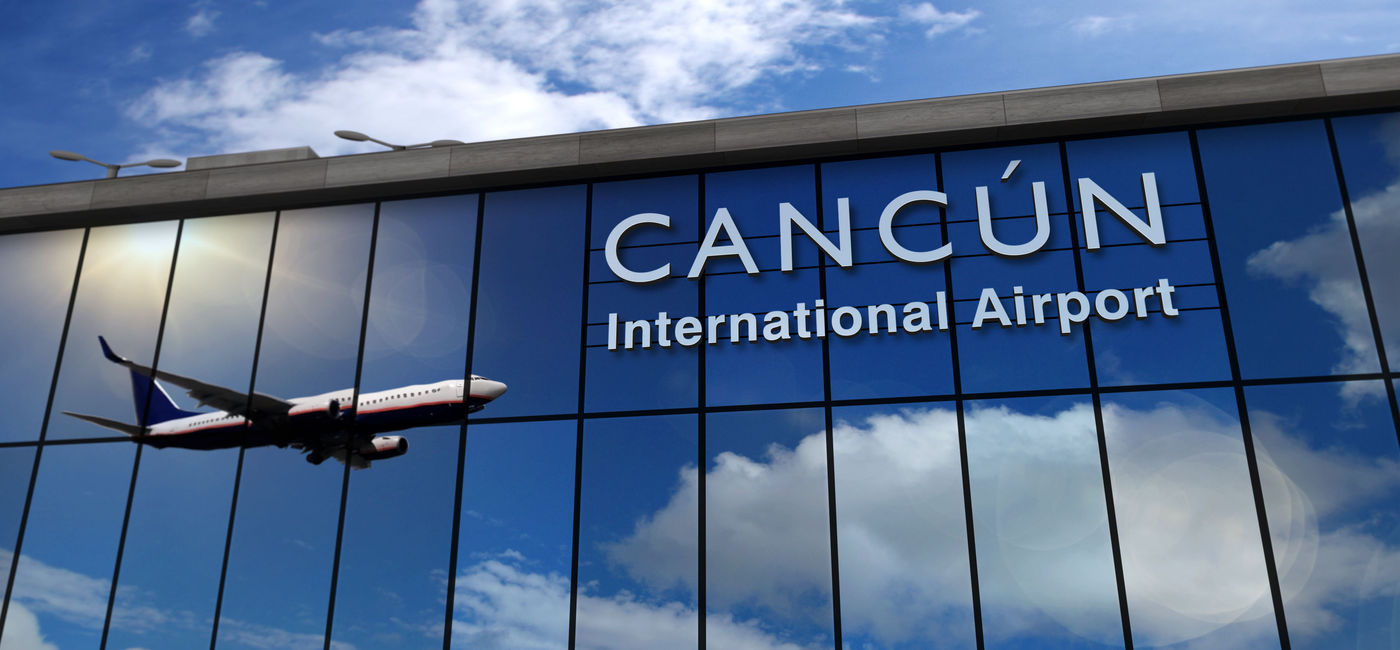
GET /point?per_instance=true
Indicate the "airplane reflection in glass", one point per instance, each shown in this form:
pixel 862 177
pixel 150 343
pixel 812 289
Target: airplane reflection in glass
pixel 323 426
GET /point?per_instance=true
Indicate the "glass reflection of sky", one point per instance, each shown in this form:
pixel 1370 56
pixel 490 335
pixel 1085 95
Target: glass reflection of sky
pixel 398 523
pixel 996 358
pixel 70 544
pixel 36 271
pixel 179 514
pixel 767 556
pixel 120 294
pixel 885 365
pixel 1044 560
pixel 15 467
pixel 1369 147
pixel 639 533
pixel 1193 563
pixel 1330 473
pixel 905 581
pixel 279 567
pixel 529 298
pixel 515 546
pixel 784 371
pixel 656 377
pixel 1272 189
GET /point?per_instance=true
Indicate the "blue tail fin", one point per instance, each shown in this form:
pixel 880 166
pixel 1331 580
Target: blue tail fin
pixel 161 407
pixel 143 388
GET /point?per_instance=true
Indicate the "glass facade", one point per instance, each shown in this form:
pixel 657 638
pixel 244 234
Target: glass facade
pixel 1127 391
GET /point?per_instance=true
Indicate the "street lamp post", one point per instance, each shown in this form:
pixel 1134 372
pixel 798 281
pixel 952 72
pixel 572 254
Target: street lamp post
pixel 111 168
pixel 356 136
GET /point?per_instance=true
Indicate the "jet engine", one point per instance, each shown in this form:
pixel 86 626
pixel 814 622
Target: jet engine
pixel 381 447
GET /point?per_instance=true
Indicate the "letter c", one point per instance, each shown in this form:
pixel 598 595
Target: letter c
pixel 616 236
pixel 887 227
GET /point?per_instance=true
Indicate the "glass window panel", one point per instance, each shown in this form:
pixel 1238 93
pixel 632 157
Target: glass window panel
pixel 1190 347
pixel 515 544
pixel 37 271
pixel 1117 165
pixel 885 364
pixel 1193 563
pixel 643 257
pixel 964 171
pixel 65 567
pixel 1157 348
pixel 1041 525
pixel 872 183
pixel 996 358
pixel 901 528
pixel 16 464
pixel 639 533
pixel 654 376
pixel 120 296
pixel 1000 358
pixel 767 555
pixel 1330 472
pixel 1369 147
pixel 1285 251
pixel 673 196
pixel 530 298
pixel 762 371
pixel 279 567
pixel 179 514
pixel 391 590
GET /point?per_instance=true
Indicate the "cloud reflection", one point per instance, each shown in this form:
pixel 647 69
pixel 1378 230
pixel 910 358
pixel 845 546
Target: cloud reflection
pixel 501 604
pixel 76 599
pixel 1186 520
pixel 1322 261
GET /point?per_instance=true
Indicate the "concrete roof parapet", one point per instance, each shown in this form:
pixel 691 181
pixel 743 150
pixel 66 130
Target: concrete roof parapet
pixel 1361 75
pixel 295 177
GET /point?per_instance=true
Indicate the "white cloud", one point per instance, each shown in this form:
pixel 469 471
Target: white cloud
pixel 201 23
pixel 488 69
pixel 264 637
pixel 938 22
pixel 140 52
pixel 22 631
pixel 1094 26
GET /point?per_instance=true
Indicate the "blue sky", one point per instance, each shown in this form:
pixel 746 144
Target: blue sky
pixel 125 81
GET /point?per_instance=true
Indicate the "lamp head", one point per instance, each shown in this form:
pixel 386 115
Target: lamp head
pixel 163 162
pixel 355 136
pixel 67 155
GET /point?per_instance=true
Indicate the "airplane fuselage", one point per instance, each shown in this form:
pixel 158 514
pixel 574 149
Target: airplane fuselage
pixel 329 415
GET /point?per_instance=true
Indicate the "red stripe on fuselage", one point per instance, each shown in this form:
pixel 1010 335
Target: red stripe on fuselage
pixel 243 422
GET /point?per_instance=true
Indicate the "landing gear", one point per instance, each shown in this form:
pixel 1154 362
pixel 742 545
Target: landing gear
pixel 315 458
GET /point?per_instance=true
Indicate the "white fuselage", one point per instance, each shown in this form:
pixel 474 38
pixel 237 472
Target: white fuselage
pixel 442 402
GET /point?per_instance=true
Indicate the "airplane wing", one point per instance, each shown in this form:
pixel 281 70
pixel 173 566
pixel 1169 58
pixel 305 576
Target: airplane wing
pixel 225 399
pixel 317 453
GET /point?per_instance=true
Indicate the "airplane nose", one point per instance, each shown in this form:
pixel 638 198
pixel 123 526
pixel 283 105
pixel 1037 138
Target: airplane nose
pixel 487 389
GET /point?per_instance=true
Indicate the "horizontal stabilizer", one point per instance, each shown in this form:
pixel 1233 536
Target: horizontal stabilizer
pixel 128 429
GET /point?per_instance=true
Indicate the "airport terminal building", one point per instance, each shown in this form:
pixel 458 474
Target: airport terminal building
pixel 1106 365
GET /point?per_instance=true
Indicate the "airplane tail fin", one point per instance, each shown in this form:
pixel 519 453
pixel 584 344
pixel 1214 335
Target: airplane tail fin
pixel 161 408
pixel 150 398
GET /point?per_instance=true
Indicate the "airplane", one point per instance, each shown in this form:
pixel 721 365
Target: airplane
pixel 321 426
